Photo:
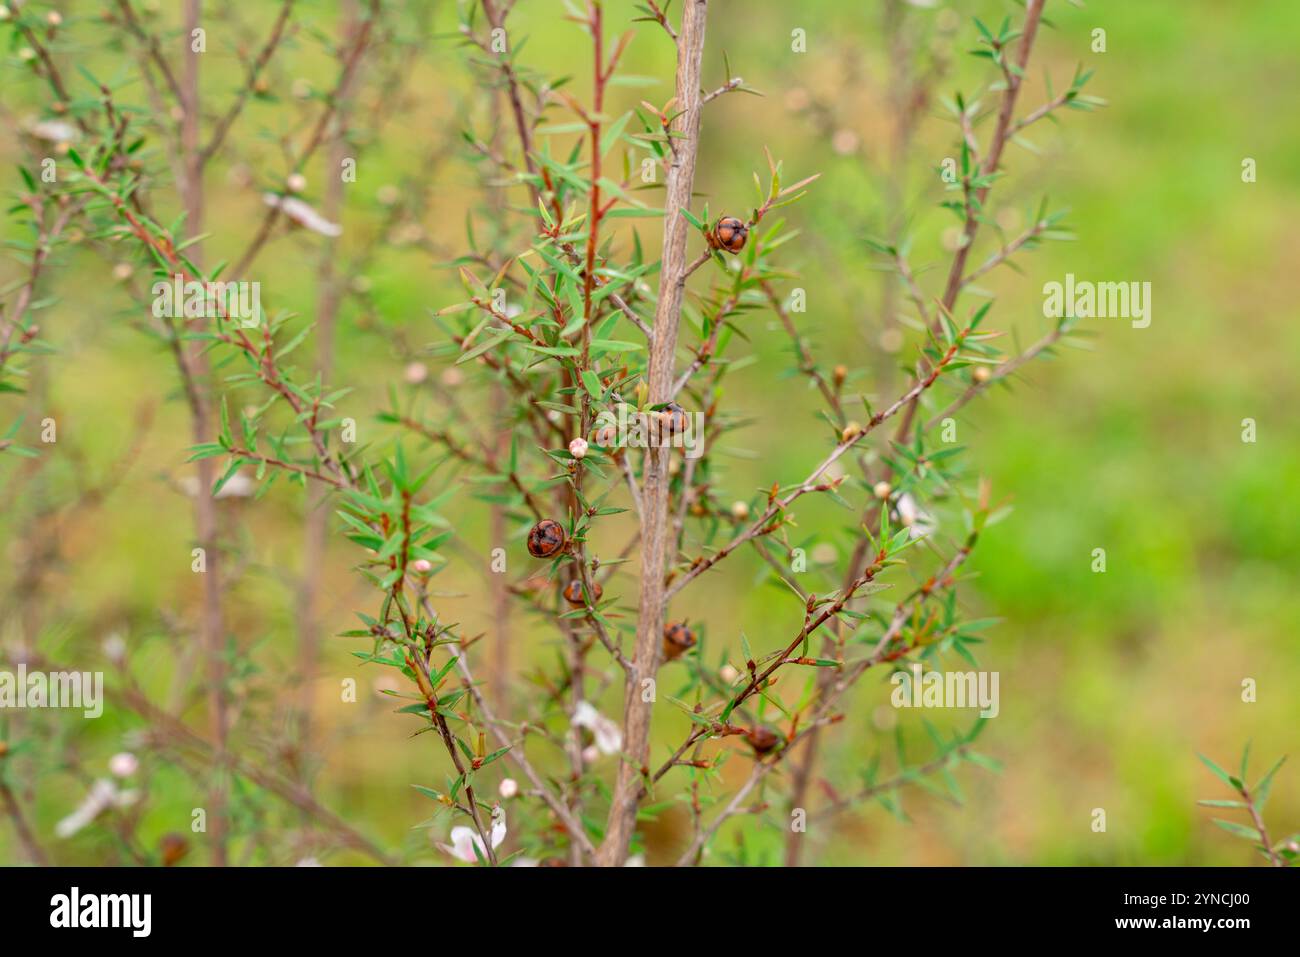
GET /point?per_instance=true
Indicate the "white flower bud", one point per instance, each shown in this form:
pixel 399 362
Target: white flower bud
pixel 115 648
pixel 123 764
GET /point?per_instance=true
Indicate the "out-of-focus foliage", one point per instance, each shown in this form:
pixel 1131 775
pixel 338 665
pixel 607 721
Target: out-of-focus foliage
pixel 1110 682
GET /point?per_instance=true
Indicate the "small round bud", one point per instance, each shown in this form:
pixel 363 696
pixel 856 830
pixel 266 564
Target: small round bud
pixel 173 849
pixel 508 788
pixel 123 764
pixel 728 674
pixel 422 566
pixel 881 490
pixel 851 432
pixel 122 272
pixel 981 374
pixel 453 377
pixel 739 510
pixel 823 553
pixel 763 739
pixel 840 373
pixel 4 14
pixel 730 233
pixel 845 142
pixel 578 448
pixel 797 99
pixel 416 372
pixel 591 754
pixel 4 748
pixel 114 648
pixel 296 182
pixel 27 54
pixel 54 18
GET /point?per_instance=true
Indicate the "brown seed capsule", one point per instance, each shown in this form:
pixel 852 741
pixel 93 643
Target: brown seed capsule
pixel 573 592
pixel 546 538
pixel 674 418
pixel 173 849
pixel 4 748
pixel 762 739
pixel 730 234
pixel 678 639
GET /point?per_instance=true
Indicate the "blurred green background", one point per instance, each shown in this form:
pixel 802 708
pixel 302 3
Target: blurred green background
pixel 1110 683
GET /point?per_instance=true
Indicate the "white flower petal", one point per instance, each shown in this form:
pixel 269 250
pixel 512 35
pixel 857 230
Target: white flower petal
pixel 103 794
pixel 609 738
pixel 463 840
pixel 56 131
pixel 303 214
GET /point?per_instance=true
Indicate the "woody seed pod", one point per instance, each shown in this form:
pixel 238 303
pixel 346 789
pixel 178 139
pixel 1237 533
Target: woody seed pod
pixel 546 538
pixel 762 739
pixel 678 639
pixel 730 234
pixel 573 593
pixel 173 849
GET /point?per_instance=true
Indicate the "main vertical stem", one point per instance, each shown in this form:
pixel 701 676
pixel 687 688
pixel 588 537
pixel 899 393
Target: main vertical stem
pixel 637 701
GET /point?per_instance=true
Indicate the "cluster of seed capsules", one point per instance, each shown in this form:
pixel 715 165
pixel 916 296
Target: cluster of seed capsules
pixel 547 539
pixel 729 234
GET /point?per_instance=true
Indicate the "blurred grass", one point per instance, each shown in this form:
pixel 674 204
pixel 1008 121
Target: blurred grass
pixel 1110 682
